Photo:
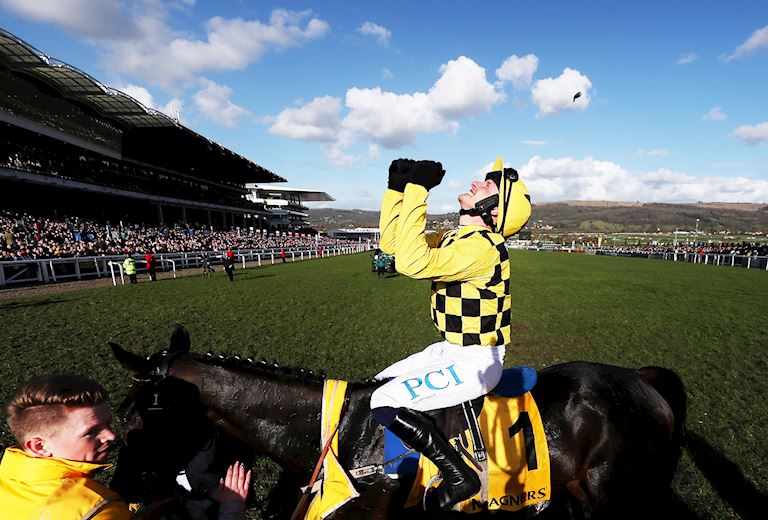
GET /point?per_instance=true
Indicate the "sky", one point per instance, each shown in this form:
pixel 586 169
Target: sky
pixel 673 104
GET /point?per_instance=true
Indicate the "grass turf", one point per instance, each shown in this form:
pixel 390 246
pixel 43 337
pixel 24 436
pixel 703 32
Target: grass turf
pixel 334 315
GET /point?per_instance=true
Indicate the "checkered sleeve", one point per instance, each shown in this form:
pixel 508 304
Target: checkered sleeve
pixel 390 214
pixel 416 259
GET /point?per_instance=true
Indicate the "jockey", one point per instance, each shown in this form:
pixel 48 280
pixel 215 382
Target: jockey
pixel 470 273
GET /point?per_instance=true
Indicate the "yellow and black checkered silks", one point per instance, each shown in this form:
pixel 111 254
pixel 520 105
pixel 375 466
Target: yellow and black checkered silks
pixel 477 312
pixel 469 268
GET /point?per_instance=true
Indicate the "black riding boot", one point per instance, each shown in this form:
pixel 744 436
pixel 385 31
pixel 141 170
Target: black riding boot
pixel 459 480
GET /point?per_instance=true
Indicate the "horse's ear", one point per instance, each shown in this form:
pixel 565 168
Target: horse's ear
pixel 129 360
pixel 180 340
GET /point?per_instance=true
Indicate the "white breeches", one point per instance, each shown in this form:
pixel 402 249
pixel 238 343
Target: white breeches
pixel 441 375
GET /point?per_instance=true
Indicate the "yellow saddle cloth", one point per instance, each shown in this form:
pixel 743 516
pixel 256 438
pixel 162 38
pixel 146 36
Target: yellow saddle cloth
pixel 336 488
pixel 518 457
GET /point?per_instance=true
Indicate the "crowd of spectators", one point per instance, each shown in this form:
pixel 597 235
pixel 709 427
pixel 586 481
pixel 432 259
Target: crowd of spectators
pixel 723 248
pixel 28 237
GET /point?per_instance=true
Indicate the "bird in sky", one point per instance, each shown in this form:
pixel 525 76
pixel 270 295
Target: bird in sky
pixel 576 96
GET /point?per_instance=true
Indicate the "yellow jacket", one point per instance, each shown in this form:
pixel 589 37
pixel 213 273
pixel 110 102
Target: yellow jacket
pixel 129 266
pixel 33 488
pixel 469 268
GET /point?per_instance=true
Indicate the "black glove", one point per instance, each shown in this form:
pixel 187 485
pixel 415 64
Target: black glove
pixel 427 174
pixel 400 174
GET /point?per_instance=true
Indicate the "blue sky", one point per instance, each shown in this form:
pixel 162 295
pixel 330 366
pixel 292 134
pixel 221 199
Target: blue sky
pixel 327 93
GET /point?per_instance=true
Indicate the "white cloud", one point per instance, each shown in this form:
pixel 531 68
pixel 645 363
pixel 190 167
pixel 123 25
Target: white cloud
pixel 373 151
pixel 685 59
pixel 173 108
pixel 392 120
pixel 758 40
pixel 531 142
pixel 90 19
pixel 659 152
pixel 714 114
pixel 453 184
pixel 463 90
pixel 165 58
pixel 752 135
pixel 317 120
pixel 143 96
pixel 518 71
pixel 552 95
pixel 213 103
pixel 387 74
pixel 140 94
pixel 336 155
pixel 377 31
pixel 567 178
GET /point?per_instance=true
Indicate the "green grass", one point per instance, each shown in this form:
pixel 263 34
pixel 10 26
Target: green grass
pixel 333 315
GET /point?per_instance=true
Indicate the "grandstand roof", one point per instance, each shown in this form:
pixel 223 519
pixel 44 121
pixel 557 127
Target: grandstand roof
pixel 273 191
pixel 179 147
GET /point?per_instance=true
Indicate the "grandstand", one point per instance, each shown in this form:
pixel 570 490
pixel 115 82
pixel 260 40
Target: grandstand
pixel 285 204
pixel 71 145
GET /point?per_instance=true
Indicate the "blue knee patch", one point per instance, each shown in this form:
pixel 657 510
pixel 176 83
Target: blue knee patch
pixel 394 448
pixel 384 415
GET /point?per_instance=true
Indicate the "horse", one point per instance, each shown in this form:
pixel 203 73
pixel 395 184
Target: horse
pixel 615 435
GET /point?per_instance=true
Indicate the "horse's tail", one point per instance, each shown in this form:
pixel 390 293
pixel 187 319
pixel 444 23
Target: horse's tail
pixel 670 386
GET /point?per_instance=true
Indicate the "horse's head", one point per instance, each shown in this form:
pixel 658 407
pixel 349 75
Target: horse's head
pixel 164 424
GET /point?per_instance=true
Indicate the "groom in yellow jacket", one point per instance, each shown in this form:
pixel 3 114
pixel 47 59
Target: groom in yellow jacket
pixel 61 424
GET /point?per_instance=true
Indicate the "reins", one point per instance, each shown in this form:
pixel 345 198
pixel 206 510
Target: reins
pixel 301 507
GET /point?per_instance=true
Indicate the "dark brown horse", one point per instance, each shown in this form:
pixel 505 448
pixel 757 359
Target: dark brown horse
pixel 614 434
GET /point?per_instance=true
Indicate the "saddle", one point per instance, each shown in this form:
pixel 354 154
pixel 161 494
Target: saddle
pixel 500 435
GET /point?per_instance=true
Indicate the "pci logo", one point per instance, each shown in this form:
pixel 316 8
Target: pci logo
pixel 435 380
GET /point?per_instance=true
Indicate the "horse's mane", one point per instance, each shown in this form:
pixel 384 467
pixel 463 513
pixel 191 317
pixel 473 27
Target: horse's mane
pixel 267 368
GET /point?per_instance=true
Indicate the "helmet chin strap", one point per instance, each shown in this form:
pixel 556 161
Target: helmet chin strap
pixel 483 210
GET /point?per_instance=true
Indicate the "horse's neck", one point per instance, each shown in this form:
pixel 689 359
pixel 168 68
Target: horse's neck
pixel 276 415
pixel 279 416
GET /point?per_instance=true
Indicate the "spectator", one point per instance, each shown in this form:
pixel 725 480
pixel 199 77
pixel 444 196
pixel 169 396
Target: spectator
pixel 282 255
pixel 129 266
pixel 381 264
pixel 207 268
pixel 229 264
pixel 151 264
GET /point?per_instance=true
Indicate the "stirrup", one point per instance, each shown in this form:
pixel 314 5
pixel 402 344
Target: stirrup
pixel 437 477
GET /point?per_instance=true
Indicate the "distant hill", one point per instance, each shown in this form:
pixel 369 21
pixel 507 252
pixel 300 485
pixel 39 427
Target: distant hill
pixel 586 216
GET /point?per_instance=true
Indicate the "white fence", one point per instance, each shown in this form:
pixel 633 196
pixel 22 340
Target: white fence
pixel 29 272
pixel 718 259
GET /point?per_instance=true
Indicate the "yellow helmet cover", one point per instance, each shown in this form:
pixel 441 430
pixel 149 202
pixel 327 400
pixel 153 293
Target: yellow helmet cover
pixel 514 201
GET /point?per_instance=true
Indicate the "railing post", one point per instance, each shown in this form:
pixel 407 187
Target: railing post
pixel 272 254
pixel 749 261
pixel 2 274
pixel 733 260
pixel 42 269
pixel 77 269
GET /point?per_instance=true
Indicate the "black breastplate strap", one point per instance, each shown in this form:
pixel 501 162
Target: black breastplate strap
pixel 474 430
